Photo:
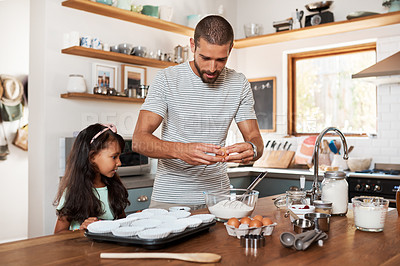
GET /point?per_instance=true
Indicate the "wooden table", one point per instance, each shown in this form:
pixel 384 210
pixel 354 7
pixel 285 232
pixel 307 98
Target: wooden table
pixel 345 246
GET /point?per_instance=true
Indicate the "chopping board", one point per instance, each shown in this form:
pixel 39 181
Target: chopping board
pixel 275 159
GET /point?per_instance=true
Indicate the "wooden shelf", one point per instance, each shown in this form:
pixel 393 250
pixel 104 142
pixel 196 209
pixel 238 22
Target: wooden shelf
pixel 88 96
pixel 122 14
pixel 321 30
pixel 118 57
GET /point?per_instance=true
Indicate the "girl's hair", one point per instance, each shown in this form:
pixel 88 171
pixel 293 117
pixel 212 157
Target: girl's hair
pixel 80 200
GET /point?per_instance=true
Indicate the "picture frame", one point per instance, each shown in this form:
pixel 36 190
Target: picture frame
pixel 264 92
pixel 104 75
pixel 132 76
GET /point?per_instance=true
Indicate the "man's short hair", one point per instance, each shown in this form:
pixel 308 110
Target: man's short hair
pixel 215 30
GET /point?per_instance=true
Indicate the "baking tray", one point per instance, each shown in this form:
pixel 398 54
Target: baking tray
pixel 150 243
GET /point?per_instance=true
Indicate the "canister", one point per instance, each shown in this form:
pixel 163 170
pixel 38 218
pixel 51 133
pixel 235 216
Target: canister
pixel 335 189
pixel 76 83
pixel 323 206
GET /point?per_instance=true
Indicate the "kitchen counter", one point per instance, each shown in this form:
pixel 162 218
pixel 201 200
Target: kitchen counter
pixel 345 246
pixel 147 180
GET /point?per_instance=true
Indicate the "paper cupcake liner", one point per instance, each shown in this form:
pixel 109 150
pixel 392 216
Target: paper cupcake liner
pixel 147 223
pixel 191 222
pixel 155 211
pixel 102 227
pixel 126 221
pixel 175 227
pixel 154 233
pixel 206 218
pixel 127 231
pixel 179 214
pixel 165 218
pixel 141 215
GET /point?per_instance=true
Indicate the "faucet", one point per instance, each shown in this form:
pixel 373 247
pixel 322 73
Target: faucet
pixel 315 190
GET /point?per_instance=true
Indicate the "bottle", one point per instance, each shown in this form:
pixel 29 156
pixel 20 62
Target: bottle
pixel 335 189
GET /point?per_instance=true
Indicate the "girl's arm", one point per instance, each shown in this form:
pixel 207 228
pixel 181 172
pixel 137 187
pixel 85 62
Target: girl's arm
pixel 88 221
pixel 62 224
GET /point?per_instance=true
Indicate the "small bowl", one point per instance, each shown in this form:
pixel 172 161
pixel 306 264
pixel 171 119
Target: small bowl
pixel 114 48
pixel 125 48
pixel 252 29
pixel 229 203
pixel 302 225
pixel 358 164
pixel 299 211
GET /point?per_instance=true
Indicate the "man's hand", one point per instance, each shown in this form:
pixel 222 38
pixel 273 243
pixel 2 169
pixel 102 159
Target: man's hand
pixel 200 153
pixel 240 153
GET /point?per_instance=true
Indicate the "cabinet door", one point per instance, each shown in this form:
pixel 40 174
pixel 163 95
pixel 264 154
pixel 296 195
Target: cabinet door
pixel 139 198
pixel 240 182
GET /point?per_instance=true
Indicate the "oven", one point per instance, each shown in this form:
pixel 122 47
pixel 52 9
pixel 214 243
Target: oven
pixel 382 181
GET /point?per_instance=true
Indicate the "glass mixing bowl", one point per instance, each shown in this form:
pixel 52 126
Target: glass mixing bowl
pixel 229 203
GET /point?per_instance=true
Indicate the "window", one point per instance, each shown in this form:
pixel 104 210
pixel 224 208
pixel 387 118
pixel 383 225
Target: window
pixel 322 92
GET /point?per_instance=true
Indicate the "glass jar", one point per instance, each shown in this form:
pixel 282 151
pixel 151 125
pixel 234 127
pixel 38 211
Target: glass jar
pixel 335 189
pixel 295 197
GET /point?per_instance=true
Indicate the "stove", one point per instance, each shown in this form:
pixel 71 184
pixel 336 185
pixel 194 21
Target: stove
pixel 382 181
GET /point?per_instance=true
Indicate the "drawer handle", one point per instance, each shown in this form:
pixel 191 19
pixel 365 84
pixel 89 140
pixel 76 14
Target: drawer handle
pixel 142 198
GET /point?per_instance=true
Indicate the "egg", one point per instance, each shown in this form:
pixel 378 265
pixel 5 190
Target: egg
pixel 266 221
pixel 255 223
pixel 245 220
pixel 258 217
pixel 234 222
pixel 223 149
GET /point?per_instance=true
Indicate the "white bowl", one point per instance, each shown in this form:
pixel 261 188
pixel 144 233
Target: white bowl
pixel 358 164
pixel 299 211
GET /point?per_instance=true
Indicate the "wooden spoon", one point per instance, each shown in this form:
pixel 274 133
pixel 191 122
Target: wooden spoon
pixel 193 257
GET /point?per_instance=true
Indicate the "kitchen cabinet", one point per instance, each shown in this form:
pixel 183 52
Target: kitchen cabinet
pixel 137 197
pixel 283 36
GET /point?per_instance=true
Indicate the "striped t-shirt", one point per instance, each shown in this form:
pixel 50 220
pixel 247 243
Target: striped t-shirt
pixel 194 111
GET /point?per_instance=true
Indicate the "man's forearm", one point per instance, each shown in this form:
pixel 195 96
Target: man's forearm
pixel 151 146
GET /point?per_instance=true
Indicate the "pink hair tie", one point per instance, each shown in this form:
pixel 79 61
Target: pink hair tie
pixel 111 127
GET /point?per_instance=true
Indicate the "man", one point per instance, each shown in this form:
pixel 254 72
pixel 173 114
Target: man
pixel 197 101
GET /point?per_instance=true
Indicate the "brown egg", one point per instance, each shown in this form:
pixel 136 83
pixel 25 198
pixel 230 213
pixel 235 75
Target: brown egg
pixel 234 222
pixel 245 220
pixel 258 217
pixel 266 221
pixel 255 223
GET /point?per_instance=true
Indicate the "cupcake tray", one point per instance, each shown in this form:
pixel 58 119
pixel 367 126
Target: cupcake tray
pixel 150 243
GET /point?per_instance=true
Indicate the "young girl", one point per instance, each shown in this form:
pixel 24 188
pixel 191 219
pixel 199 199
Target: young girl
pixel 91 189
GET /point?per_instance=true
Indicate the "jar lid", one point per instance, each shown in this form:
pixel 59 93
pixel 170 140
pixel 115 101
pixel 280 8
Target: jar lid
pixel 322 204
pixel 335 174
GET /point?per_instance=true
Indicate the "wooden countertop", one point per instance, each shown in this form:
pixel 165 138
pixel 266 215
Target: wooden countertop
pixel 345 246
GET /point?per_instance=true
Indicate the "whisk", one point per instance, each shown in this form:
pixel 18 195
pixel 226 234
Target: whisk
pixel 237 201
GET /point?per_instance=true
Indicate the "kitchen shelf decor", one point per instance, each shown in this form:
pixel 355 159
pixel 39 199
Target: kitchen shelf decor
pixel 321 30
pixel 117 57
pixel 88 96
pixel 122 14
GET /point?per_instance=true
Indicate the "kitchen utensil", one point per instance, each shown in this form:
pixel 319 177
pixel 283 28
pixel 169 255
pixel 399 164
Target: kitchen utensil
pixel 139 51
pixel 288 239
pixel 332 147
pixel 320 220
pixel 302 225
pixel 351 148
pixel 125 48
pixel 193 257
pixel 252 241
pixel 252 29
pixel 302 182
pixel 288 148
pixel 318 6
pixel 370 213
pixel 249 189
pixel 114 48
pixel 216 199
pixel 304 243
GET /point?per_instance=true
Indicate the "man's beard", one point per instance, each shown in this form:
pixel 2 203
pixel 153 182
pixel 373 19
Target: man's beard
pixel 204 77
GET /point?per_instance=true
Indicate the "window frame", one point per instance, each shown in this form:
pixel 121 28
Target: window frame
pixel 291 62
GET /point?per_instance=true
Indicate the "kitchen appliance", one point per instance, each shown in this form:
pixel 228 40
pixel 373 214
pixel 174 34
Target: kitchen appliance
pixel 132 162
pixel 321 17
pixel 382 181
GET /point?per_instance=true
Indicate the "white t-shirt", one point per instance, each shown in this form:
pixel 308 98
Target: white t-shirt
pixel 195 111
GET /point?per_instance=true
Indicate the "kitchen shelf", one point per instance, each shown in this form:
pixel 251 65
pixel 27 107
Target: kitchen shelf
pixel 321 30
pixel 118 57
pixel 88 96
pixel 122 14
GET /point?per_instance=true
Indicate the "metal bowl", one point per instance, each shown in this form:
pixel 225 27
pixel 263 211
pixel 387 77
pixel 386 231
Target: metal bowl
pixel 302 225
pixel 318 6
